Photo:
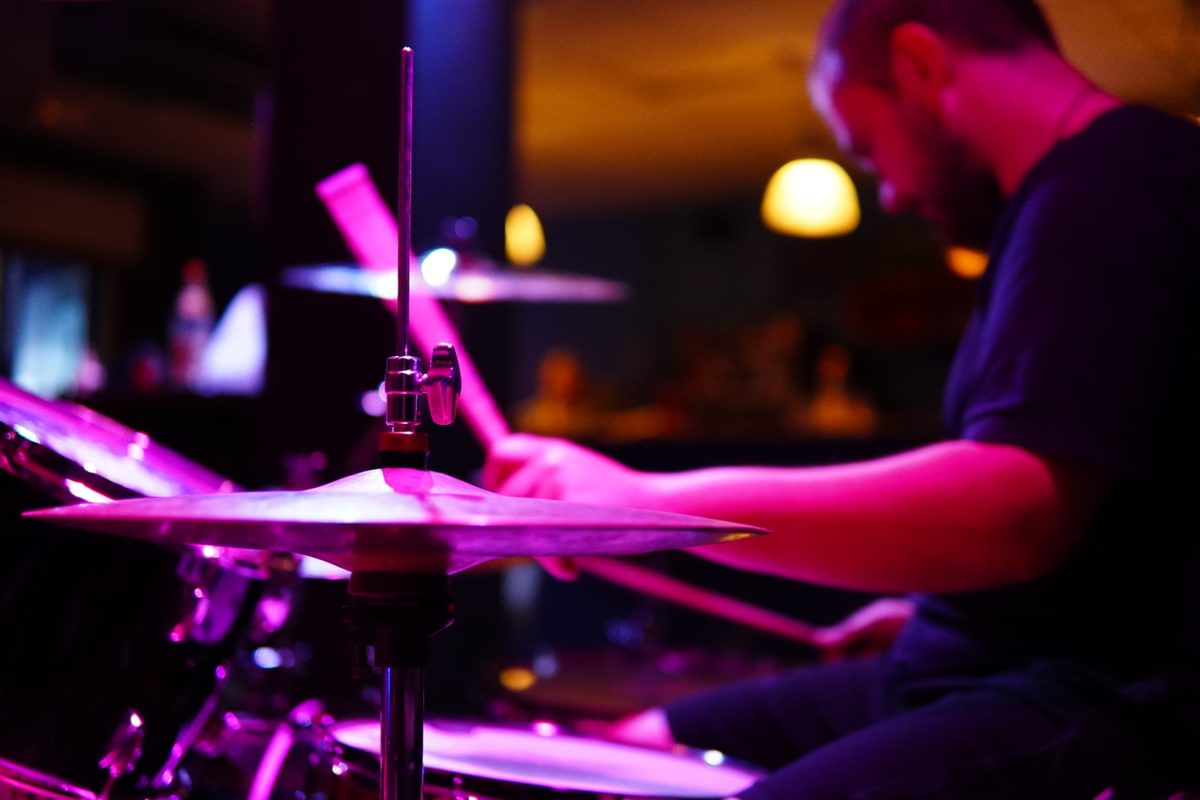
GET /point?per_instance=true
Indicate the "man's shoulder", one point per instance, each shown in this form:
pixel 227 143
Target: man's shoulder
pixel 1131 163
pixel 1136 137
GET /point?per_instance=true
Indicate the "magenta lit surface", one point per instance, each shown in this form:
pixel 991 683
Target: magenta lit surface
pixel 558 761
pixel 396 520
pixel 18 781
pixel 102 448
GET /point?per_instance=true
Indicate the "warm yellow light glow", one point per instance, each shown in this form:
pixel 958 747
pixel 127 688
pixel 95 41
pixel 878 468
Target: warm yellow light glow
pixel 517 679
pixel 965 262
pixel 811 197
pixel 524 242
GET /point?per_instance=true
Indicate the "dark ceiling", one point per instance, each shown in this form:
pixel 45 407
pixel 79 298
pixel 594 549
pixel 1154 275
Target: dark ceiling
pixel 619 104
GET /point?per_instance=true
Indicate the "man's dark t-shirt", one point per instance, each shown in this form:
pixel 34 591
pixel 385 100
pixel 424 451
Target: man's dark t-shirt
pixel 1083 347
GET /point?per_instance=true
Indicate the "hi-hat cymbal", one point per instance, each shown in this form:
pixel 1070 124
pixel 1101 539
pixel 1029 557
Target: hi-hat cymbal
pixel 490 284
pixel 397 520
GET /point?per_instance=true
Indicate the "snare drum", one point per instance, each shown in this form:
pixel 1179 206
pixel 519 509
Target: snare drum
pixel 100 630
pixel 497 762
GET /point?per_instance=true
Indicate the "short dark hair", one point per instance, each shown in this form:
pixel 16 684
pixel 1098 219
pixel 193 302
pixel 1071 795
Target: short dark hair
pixel 857 31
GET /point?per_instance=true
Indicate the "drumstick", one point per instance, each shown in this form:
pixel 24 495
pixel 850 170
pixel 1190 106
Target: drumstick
pixel 370 231
pixel 664 587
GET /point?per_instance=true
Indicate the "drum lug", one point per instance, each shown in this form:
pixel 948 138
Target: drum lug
pixel 124 750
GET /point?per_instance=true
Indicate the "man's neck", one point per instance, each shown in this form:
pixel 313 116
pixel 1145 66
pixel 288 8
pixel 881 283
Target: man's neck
pixel 1014 111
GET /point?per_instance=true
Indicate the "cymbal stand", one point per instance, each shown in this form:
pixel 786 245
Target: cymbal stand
pixel 392 615
pixel 391 619
pixel 402 444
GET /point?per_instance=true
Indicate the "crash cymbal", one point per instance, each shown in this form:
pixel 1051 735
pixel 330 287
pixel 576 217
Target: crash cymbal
pixel 490 284
pixel 71 453
pixel 74 452
pixel 397 520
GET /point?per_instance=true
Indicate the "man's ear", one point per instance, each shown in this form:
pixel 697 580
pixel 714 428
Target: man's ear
pixel 921 64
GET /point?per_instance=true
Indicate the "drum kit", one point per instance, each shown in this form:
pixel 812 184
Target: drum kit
pixel 397 526
pixel 399 531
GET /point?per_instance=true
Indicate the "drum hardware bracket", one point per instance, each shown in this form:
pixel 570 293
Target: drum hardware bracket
pixel 393 615
pixel 405 386
pixel 172 781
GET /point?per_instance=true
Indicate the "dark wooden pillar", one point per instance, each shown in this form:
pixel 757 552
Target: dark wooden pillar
pixel 334 101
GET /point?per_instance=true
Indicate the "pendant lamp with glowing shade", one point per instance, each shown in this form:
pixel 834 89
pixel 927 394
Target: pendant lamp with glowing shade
pixel 524 239
pixel 811 197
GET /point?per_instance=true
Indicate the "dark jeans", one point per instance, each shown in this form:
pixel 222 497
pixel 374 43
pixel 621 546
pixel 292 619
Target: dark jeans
pixel 842 731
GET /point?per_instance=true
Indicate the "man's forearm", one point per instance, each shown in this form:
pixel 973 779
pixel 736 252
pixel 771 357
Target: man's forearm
pixel 949 517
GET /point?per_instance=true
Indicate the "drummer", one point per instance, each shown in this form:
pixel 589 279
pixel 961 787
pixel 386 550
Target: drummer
pixel 1055 646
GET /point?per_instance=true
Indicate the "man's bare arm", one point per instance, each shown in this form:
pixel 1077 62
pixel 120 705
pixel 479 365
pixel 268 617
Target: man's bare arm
pixel 953 516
